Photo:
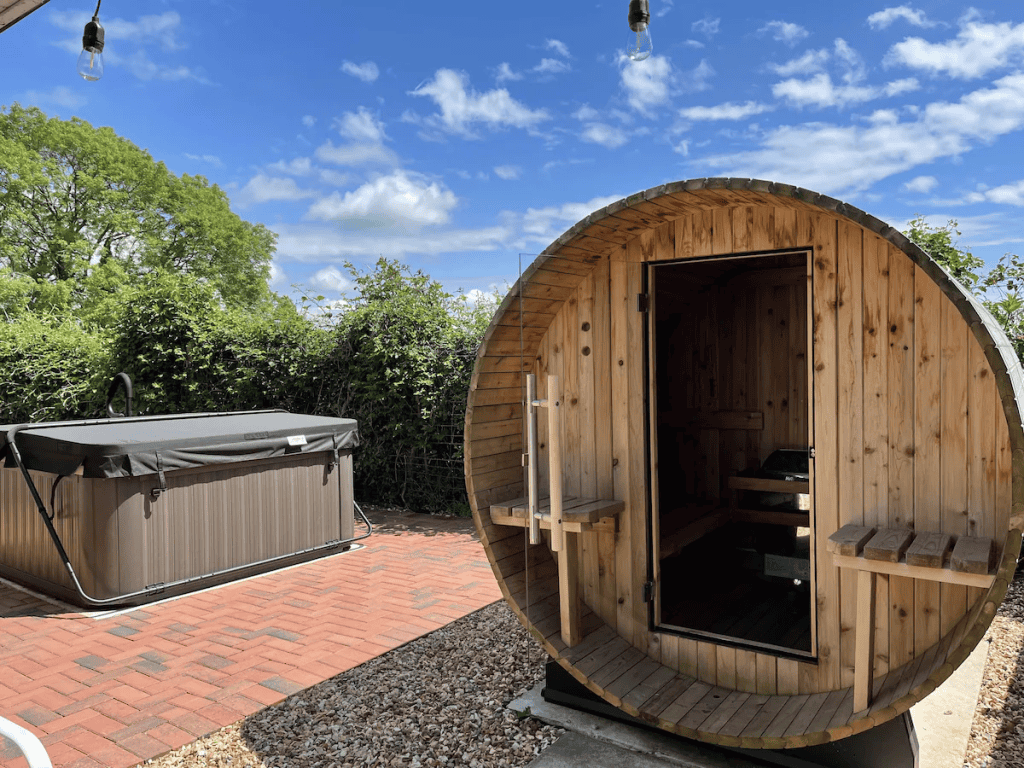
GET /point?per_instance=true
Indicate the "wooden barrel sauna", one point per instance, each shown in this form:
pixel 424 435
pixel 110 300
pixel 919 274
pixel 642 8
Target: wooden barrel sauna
pixel 790 455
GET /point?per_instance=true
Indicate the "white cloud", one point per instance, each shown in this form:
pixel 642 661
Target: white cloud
pixel 923 184
pixel 832 158
pixel 124 35
pixel 883 19
pixel 664 6
pixel 401 199
pixel 361 127
pixel 606 135
pixel 154 28
pixel 263 189
pixel 706 26
pixel 334 178
pixel 1007 194
pixel 355 154
pixel 552 67
pixel 810 62
pixel 367 71
pixel 586 112
pixel 820 91
pixel 330 279
pixel 278 277
pixel 508 172
pixel 461 106
pixel 978 48
pixel 647 83
pixel 558 47
pixel 545 224
pixel 785 32
pixel 298 166
pixel 59 96
pixel 308 120
pixel 505 73
pixel 727 111
pixel 851 61
pixel 211 159
pixel 140 65
pixel 312 243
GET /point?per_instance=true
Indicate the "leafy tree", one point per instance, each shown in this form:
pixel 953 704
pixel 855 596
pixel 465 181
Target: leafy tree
pixel 1001 291
pixel 403 358
pixel 938 243
pixel 86 208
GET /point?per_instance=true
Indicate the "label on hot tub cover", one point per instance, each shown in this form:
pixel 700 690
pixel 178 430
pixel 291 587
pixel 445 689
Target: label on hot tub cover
pixel 296 439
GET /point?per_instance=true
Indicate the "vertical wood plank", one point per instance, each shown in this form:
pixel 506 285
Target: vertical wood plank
pixel 928 446
pixel 823 233
pixel 621 353
pixel 876 421
pixel 901 445
pixel 586 434
pixel 953 458
pixel 850 416
pixel 981 440
pixel 603 356
pixel 767 674
pixel 637 507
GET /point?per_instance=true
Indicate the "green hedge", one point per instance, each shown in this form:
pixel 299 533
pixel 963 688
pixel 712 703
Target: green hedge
pixel 397 357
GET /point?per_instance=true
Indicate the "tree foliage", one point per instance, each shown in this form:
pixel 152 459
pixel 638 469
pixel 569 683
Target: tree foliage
pixel 1001 290
pixel 83 208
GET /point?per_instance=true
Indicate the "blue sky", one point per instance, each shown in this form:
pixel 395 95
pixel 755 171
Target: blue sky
pixel 458 136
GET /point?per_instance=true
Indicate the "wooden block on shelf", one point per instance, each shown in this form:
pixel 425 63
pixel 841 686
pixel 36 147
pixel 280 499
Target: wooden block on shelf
pixel 849 540
pixel 972 554
pixel 929 549
pixel 888 544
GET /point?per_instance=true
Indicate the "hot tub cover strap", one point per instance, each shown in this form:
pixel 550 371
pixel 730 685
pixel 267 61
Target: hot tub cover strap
pixel 132 447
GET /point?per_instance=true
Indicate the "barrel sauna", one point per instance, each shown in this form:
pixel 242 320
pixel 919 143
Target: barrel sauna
pixel 790 455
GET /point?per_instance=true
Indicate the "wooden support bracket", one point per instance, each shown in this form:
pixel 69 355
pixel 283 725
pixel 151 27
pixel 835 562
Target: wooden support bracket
pixel 862 549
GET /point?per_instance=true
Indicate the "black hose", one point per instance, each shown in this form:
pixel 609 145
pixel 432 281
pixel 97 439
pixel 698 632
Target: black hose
pixel 157 588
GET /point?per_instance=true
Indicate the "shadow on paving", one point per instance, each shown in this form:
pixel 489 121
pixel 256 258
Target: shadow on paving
pixel 400 522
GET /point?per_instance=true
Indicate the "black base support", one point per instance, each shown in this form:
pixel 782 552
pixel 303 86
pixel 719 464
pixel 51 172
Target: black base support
pixel 892 744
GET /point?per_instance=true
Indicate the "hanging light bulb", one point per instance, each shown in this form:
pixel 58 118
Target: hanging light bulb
pixel 639 46
pixel 90 60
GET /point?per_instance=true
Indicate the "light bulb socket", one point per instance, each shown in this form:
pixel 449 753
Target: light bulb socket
pixel 639 13
pixel 92 37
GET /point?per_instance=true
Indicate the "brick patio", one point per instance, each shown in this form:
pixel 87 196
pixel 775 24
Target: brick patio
pixel 114 690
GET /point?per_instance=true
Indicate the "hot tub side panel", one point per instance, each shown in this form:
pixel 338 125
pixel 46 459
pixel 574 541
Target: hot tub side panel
pixel 121 539
pixel 211 519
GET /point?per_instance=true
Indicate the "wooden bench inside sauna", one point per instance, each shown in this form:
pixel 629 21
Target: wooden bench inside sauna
pixel 747 462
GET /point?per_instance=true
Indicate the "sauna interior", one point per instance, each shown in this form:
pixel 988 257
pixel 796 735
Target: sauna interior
pixel 728 343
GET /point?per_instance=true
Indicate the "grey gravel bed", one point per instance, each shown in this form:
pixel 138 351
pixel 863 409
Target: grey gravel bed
pixel 437 701
pixel 997 733
pixel 440 701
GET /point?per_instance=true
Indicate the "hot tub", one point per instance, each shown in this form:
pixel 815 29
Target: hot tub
pixel 145 507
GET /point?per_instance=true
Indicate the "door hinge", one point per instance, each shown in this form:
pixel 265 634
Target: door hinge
pixel 641 302
pixel 648 592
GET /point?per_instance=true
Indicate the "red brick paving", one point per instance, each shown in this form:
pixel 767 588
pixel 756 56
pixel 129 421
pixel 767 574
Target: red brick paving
pixel 111 692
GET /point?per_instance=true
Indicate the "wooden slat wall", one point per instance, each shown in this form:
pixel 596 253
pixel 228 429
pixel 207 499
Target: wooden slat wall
pixel 907 426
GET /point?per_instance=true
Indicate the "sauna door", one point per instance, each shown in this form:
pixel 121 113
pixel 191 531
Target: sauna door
pixel 730 428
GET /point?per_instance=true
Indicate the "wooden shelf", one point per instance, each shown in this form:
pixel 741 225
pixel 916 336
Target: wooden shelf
pixel 942 558
pixel 578 515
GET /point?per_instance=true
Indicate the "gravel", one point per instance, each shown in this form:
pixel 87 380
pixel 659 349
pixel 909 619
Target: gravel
pixel 440 701
pixel 997 733
pixel 437 701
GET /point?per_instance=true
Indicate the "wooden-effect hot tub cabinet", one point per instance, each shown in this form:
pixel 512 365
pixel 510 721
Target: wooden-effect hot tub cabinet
pixel 693 330
pixel 169 504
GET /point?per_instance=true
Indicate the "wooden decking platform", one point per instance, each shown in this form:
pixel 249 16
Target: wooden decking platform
pixel 613 668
